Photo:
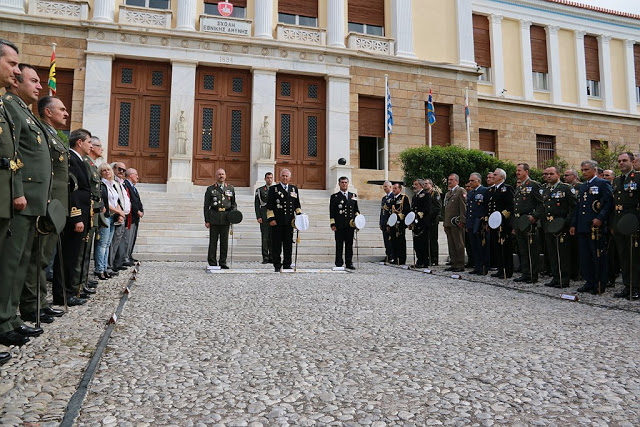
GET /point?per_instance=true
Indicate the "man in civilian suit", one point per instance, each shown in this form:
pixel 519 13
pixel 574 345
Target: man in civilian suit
pixel 78 222
pixel 590 224
pixel 476 212
pixel 455 207
pixel 137 212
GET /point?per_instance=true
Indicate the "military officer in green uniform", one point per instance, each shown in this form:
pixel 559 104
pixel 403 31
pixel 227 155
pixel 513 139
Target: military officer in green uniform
pixel 558 203
pixel 528 203
pixel 626 201
pixel 82 268
pixel 8 167
pixel 260 205
pixel 31 194
pixel 53 115
pixel 219 199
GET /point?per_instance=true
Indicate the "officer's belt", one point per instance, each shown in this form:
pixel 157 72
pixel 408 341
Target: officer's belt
pixel 221 209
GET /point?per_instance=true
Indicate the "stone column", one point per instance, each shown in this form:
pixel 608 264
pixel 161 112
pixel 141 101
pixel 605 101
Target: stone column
pixel 335 30
pixel 553 56
pixel 263 19
pixel 582 69
pixel 104 10
pixel 186 20
pixel 97 97
pixel 630 80
pixel 338 134
pixel 464 21
pixel 402 22
pixel 183 89
pixel 606 84
pixel 497 61
pixel 527 67
pixel 263 104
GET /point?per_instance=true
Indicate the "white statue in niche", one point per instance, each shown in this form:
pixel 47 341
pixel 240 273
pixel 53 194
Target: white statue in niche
pixel 181 128
pixel 265 133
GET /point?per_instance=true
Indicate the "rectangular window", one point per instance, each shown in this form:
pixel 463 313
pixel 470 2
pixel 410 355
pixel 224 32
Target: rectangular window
pixel 488 141
pixel 153 4
pixel 298 12
pixel 441 130
pixel 482 46
pixel 371 116
pixel 540 81
pixel 239 8
pixel 539 63
pixel 64 90
pixel 592 63
pixel 597 145
pixel 366 16
pixel 546 149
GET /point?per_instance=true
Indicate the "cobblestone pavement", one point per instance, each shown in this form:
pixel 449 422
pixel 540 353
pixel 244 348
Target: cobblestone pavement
pixel 381 346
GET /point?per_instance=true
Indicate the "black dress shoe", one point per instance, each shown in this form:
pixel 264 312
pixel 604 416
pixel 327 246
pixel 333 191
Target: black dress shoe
pixel 622 294
pixel 583 289
pixel 350 267
pixel 457 270
pixel 83 296
pixel 53 312
pixel 4 357
pixel 75 301
pixel 103 276
pixel 264 261
pixel 13 338
pixel 276 268
pixel 113 273
pixel 552 284
pixel 92 283
pixel 28 331
pixel 89 291
pixel 499 274
pixel 31 317
pixel 469 266
pixel 224 266
pixel 522 279
pixel 286 267
pixel 448 269
pixel 634 297
pixel 128 264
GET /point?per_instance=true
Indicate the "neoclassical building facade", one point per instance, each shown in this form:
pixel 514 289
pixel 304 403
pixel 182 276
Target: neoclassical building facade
pixel 177 90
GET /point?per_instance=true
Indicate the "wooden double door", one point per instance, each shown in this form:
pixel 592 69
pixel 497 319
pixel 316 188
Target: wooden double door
pixel 300 129
pixel 222 125
pixel 139 123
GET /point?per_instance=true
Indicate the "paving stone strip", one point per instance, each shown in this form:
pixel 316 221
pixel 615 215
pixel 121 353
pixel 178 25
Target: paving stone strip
pixel 380 347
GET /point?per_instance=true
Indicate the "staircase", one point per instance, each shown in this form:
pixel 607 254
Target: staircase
pixel 173 228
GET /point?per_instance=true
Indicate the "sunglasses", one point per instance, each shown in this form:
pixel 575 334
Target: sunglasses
pixel 121 170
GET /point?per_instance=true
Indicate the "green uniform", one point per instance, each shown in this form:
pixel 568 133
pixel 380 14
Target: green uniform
pixel 8 168
pixel 260 205
pixel 626 200
pixel 218 200
pixel 59 191
pixel 82 268
pixel 558 203
pixel 33 181
pixel 527 201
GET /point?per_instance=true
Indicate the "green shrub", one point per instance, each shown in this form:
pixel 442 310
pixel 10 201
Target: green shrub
pixel 437 163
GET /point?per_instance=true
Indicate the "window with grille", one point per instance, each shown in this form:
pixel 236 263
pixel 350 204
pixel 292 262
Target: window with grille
pixel 312 136
pixel 366 17
pixel 153 4
pixel 209 82
pixel 156 78
pixel 126 76
pixel 285 134
pixel 236 131
pixel 546 149
pixel 239 8
pixel 155 124
pixel 207 129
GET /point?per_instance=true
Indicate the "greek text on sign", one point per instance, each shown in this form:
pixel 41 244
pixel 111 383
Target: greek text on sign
pixel 226 26
pixel 225 8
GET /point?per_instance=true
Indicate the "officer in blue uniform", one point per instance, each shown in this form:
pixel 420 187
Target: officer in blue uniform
pixel 590 225
pixel 476 212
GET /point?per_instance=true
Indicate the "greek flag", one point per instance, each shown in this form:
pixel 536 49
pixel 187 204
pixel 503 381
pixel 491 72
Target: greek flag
pixel 431 112
pixel 389 112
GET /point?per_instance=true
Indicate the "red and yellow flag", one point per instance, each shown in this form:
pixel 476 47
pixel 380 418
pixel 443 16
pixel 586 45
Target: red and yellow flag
pixel 52 73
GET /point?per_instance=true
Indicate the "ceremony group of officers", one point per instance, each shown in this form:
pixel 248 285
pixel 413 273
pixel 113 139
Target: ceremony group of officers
pixel 585 229
pixel 51 198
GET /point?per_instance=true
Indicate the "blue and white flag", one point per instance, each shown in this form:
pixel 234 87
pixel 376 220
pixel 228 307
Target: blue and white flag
pixel 389 112
pixel 431 111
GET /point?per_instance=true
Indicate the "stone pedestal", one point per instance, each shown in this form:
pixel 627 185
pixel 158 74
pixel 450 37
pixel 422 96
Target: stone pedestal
pixel 262 167
pixel 179 174
pixel 335 172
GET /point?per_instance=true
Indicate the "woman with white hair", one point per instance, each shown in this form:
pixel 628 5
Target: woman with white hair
pixel 113 215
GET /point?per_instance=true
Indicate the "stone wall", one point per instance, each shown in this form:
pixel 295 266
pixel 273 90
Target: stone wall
pixel 409 92
pixel 518 125
pixel 35 49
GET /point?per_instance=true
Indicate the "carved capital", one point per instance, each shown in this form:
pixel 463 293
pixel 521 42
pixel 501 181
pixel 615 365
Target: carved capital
pixel 580 34
pixel 496 19
pixel 525 25
pixel 552 30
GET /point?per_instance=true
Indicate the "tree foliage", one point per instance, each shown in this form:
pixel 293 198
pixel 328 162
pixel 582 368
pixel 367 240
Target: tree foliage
pixel 437 163
pixel 607 157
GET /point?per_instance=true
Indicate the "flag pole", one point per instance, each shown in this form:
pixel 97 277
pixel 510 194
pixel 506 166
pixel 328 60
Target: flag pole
pixel 467 117
pixel 386 127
